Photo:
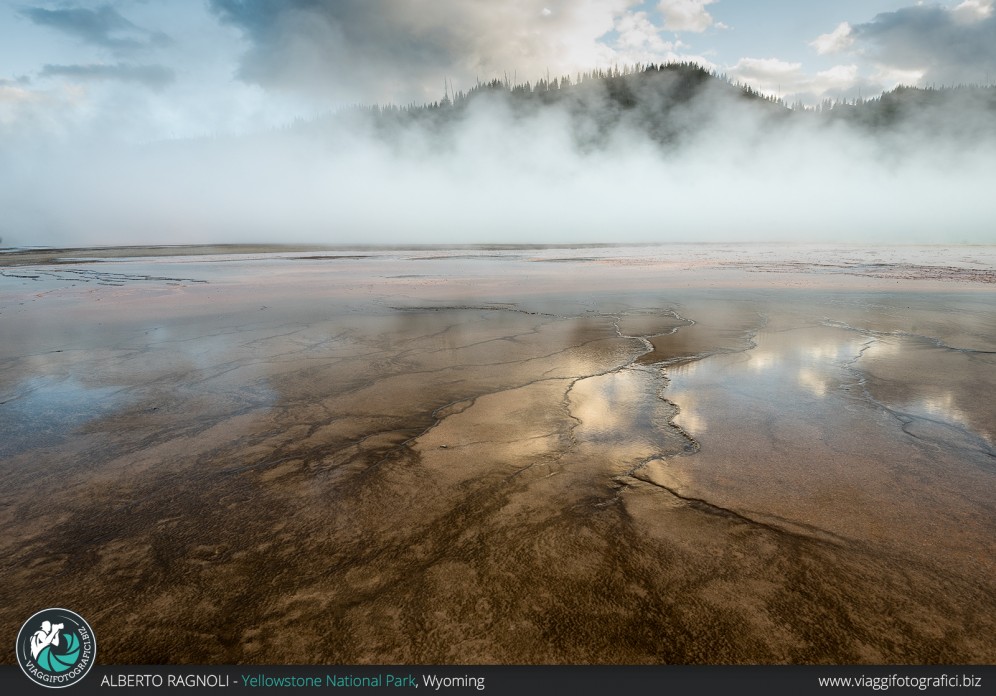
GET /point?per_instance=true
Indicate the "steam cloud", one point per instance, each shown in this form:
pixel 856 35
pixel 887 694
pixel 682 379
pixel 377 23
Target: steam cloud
pixel 569 165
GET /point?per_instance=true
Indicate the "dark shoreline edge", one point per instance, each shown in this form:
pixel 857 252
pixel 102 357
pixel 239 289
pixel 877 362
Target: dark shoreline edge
pixel 54 255
pixel 42 255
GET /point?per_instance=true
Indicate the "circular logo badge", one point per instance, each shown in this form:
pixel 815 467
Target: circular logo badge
pixel 56 648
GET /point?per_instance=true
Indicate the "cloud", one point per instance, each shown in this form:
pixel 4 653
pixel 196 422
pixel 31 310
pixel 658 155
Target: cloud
pixel 791 82
pixel 638 33
pixel 897 76
pixel 943 45
pixel 402 50
pixel 12 96
pixel 973 10
pixel 836 41
pixel 26 112
pixel 686 15
pixel 103 27
pixel 152 76
pixel 765 69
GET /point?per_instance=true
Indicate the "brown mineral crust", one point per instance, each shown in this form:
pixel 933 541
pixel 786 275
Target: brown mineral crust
pixel 445 457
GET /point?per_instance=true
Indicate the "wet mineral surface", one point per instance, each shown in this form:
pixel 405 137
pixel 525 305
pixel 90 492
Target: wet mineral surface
pixel 619 455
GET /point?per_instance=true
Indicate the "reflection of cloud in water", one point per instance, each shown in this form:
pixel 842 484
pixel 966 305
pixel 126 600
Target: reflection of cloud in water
pixel 616 407
pixel 605 405
pixel 882 348
pixel 825 352
pixel 684 369
pixel 787 368
pixel 813 382
pixel 913 376
pixel 761 360
pixel 623 413
pixel 943 407
pixel 691 417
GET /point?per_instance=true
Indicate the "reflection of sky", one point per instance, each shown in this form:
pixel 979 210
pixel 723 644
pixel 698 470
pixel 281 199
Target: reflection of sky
pixel 784 369
pixel 798 370
pixel 691 418
pixel 44 410
pixel 943 406
pixel 935 397
pixel 622 411
pixel 823 352
pixel 63 392
pixel 612 404
pixel 760 360
pixel 882 348
pixel 810 359
pixel 812 381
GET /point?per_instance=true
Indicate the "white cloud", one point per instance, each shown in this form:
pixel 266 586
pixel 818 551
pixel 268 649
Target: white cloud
pixel 686 15
pixel 892 77
pixel 973 10
pixel 789 81
pixel 638 33
pixel 838 79
pixel 836 41
pixel 766 70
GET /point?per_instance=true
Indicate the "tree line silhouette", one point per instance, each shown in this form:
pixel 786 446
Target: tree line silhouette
pixel 666 101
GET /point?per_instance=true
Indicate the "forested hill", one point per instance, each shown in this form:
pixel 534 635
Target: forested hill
pixel 672 102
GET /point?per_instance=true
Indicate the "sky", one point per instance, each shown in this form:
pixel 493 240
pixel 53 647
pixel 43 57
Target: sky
pixel 140 71
pixel 154 121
